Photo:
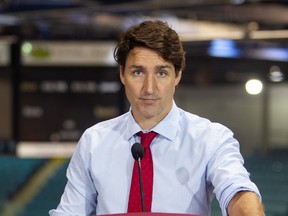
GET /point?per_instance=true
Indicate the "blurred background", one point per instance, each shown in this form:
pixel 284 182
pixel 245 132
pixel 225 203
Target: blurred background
pixel 58 77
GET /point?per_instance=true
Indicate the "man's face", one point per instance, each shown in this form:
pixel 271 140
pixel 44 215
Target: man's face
pixel 150 83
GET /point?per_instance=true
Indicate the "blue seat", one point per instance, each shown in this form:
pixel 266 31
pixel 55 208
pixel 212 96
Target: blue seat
pixel 14 173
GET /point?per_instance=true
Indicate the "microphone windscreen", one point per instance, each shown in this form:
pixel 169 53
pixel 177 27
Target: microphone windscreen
pixel 137 151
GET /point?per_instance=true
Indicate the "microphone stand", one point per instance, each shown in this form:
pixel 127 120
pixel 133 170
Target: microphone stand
pixel 141 185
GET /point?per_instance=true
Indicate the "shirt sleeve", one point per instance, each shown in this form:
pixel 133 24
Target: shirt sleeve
pixel 80 196
pixel 226 171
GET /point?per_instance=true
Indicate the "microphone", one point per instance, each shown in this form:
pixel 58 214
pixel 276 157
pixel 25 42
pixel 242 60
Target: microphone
pixel 137 151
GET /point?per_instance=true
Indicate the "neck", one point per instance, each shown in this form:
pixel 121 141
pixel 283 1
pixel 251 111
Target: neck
pixel 148 120
pixel 147 124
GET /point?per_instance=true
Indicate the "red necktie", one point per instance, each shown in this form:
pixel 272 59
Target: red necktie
pixel 135 204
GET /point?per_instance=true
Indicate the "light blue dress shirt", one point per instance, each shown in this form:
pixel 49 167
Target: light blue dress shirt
pixel 193 158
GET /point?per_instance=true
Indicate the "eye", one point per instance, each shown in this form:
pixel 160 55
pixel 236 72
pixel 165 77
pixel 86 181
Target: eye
pixel 137 73
pixel 162 73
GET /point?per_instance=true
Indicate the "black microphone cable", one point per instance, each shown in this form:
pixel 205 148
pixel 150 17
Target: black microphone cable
pixel 138 153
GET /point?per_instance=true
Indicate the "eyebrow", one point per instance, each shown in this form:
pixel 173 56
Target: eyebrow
pixel 164 66
pixel 157 67
pixel 136 66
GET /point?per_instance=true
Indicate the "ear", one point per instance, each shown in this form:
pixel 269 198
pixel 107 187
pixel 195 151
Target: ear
pixel 178 78
pixel 122 75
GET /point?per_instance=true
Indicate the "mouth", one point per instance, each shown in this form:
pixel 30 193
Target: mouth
pixel 148 100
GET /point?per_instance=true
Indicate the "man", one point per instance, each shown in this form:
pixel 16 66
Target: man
pixel 193 159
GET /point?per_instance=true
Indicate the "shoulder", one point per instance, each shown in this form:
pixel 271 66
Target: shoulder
pixel 108 124
pixel 104 128
pixel 200 123
pixel 97 136
pixel 204 130
pixel 210 139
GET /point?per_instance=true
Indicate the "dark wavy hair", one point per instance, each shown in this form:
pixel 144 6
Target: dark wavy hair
pixel 155 35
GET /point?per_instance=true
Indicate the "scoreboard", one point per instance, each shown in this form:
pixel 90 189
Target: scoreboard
pixel 64 88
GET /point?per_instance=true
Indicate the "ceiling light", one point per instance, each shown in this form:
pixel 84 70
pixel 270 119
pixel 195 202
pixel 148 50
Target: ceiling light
pixel 254 86
pixel 275 74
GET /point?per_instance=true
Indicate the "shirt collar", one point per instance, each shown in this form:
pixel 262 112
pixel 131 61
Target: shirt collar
pixel 132 126
pixel 167 127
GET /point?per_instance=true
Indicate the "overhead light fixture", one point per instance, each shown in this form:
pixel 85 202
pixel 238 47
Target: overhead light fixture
pixel 26 48
pixel 254 86
pixel 223 48
pixel 275 74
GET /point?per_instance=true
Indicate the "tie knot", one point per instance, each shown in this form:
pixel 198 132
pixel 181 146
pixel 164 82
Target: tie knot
pixel 146 138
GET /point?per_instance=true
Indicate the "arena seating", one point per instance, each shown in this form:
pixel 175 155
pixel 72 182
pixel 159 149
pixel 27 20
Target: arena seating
pixel 269 171
pixel 14 172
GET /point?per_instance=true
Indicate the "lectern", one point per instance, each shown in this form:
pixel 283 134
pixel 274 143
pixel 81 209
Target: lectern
pixel 148 214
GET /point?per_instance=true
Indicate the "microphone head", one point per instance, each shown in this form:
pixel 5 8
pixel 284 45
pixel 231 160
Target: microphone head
pixel 137 151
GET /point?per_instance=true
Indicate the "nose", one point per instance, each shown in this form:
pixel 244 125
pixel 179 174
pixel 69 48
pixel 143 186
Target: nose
pixel 149 84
